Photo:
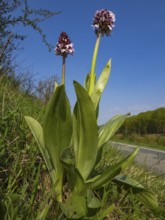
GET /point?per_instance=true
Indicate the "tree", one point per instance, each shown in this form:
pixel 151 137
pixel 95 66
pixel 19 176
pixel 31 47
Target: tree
pixel 45 88
pixel 150 122
pixel 13 13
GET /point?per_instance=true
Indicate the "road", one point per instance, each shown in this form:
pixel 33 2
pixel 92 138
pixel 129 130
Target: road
pixel 153 160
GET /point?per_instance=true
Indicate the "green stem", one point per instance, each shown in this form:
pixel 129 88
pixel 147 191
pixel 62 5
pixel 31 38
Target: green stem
pixel 63 70
pixel 93 65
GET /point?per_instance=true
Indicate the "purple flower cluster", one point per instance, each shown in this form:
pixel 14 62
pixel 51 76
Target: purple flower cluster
pixel 103 22
pixel 64 46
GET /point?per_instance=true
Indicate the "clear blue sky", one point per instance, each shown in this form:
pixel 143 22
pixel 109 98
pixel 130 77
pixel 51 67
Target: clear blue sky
pixel 136 46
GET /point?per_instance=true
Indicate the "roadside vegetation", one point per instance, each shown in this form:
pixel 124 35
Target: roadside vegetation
pixel 147 129
pixel 41 176
pixel 26 191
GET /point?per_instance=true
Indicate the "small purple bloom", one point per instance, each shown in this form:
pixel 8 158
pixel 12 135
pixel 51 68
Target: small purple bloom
pixel 64 46
pixel 103 22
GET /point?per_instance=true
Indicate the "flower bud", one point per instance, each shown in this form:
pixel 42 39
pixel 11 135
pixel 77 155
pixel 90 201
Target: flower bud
pixel 103 22
pixel 64 46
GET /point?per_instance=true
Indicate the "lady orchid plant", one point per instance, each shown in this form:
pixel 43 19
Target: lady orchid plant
pixel 72 143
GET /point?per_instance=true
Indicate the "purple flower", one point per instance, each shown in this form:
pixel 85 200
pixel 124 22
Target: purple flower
pixel 64 46
pixel 103 22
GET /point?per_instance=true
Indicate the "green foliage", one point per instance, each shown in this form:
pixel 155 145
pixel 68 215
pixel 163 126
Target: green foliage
pixel 26 191
pixel 57 131
pixel 77 157
pixel 72 146
pixel 151 122
pixel 21 173
pixel 147 129
pixel 85 129
pixel 100 85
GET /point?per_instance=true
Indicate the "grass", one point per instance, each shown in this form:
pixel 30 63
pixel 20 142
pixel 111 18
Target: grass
pixel 26 191
pixel 126 206
pixel 22 177
pixel 154 141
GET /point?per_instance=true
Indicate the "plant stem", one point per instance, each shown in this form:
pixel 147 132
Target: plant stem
pixel 63 70
pixel 93 65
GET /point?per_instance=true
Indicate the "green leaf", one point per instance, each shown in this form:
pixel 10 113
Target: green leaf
pixel 75 138
pixel 108 130
pixel 57 131
pixel 37 132
pixel 67 156
pixel 143 195
pixel 86 83
pixel 74 207
pixel 92 201
pixel 128 181
pixel 112 171
pixel 57 125
pixel 80 186
pixel 85 136
pixel 68 161
pixel 100 85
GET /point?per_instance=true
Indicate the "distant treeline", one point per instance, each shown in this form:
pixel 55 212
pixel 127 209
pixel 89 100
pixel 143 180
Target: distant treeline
pixel 150 122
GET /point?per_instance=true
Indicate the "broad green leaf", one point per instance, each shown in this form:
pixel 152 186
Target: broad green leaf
pixel 100 85
pixel 128 181
pixel 37 132
pixel 143 195
pixel 80 186
pixel 107 130
pixel 92 201
pixel 76 130
pixel 114 170
pixel 58 125
pixel 57 130
pixel 67 156
pixel 87 137
pixel 99 153
pixel 91 180
pixel 74 207
pixel 67 159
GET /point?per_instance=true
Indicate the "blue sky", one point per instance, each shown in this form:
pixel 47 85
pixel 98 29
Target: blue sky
pixel 136 46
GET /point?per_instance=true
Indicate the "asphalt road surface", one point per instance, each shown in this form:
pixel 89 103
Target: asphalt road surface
pixel 153 160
